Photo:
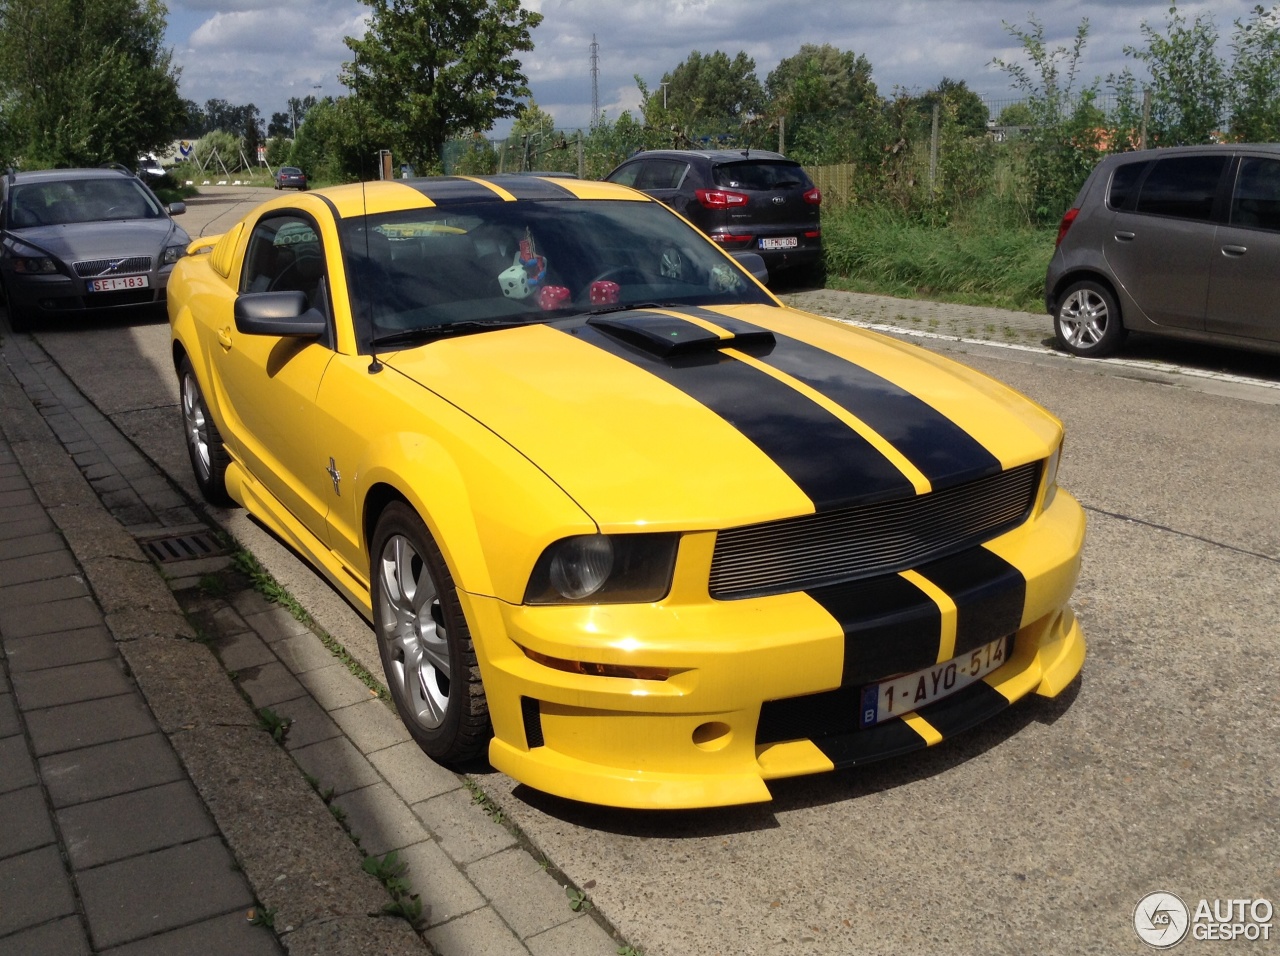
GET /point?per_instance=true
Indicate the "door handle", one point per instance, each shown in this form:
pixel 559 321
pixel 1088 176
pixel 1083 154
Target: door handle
pixel 1234 251
pixel 224 337
pixel 1124 236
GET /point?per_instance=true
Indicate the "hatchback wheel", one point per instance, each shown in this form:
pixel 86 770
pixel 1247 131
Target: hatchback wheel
pixel 1087 321
pixel 209 458
pixel 424 641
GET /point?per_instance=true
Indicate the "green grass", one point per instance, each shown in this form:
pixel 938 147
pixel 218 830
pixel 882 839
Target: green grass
pixel 974 261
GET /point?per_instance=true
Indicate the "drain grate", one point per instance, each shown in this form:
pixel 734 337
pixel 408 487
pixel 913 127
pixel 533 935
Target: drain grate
pixel 183 547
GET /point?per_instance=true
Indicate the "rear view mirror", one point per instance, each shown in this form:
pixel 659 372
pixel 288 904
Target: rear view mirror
pixel 278 313
pixel 753 263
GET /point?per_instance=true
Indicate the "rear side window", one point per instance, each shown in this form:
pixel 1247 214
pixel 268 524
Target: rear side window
pixel 760 175
pixel 1123 181
pixel 1182 186
pixel 1256 200
pixel 661 174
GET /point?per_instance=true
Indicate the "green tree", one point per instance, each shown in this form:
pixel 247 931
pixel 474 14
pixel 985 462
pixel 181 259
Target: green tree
pixel 1189 83
pixel 1068 131
pixel 832 111
pixel 969 112
pixel 709 94
pixel 87 81
pixel 1255 78
pixel 338 141
pixel 433 69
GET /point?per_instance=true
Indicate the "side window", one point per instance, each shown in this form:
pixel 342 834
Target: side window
pixel 1182 186
pixel 626 176
pixel 285 255
pixel 661 174
pixel 1256 200
pixel 1123 181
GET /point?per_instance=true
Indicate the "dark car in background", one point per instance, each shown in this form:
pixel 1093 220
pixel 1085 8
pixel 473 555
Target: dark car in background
pixel 744 200
pixel 1181 242
pixel 290 177
pixel 80 240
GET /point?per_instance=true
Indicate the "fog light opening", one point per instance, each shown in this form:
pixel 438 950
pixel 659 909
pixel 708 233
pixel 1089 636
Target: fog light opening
pixel 712 736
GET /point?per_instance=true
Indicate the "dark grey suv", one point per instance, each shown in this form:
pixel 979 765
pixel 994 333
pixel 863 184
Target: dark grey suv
pixel 745 200
pixel 1182 242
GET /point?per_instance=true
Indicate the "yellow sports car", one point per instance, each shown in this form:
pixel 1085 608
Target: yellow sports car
pixel 621 520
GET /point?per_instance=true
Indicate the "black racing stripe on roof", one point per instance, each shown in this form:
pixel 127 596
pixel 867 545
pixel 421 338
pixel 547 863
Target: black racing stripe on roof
pixel 943 451
pixel 531 187
pixel 830 462
pixel 450 190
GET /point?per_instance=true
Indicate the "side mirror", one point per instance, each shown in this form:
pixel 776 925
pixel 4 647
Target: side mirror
pixel 278 313
pixel 753 263
pixel 177 208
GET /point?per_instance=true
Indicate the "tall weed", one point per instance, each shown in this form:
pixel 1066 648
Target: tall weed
pixel 977 259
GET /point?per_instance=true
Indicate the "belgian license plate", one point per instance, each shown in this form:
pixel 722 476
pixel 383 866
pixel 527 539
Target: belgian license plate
pixel 786 242
pixel 118 282
pixel 902 695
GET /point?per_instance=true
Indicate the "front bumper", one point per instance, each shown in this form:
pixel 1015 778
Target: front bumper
pixel 764 688
pixel 50 295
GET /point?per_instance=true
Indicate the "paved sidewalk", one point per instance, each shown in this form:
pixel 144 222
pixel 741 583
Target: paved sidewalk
pixel 146 809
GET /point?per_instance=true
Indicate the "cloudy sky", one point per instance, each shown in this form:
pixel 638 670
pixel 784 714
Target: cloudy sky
pixel 265 51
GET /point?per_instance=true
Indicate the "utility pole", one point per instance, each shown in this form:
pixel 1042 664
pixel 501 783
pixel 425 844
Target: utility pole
pixel 595 81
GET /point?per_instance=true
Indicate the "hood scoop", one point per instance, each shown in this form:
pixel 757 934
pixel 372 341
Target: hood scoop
pixel 668 336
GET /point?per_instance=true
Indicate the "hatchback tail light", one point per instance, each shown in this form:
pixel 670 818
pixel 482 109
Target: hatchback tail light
pixel 720 198
pixel 1068 218
pixel 813 196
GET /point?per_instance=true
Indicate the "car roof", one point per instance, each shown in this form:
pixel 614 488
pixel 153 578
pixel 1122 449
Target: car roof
pixel 354 199
pixel 713 155
pixel 1204 149
pixel 62 175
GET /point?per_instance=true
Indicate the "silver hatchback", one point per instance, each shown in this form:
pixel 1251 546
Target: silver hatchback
pixel 1182 242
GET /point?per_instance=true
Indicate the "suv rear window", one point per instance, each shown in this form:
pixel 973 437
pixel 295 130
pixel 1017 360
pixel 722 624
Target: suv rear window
pixel 760 175
pixel 1122 182
pixel 1183 186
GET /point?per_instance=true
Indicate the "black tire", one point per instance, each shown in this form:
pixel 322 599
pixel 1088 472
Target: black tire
pixel 427 653
pixel 1087 320
pixel 209 458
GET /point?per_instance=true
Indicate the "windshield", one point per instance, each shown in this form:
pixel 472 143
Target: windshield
pixel 760 175
pixel 82 200
pixel 497 262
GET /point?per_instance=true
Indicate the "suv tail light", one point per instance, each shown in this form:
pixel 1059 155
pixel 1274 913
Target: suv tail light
pixel 813 196
pixel 1067 219
pixel 720 198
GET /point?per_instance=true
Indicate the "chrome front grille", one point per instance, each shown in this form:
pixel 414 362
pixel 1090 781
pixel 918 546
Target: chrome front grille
pixel 96 268
pixel 868 540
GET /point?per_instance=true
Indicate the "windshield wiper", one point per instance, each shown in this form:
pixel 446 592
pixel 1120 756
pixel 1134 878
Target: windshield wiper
pixel 427 332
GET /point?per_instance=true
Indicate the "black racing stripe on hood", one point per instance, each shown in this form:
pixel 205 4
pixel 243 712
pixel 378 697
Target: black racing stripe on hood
pixel 830 462
pixel 531 187
pixel 989 592
pixel 944 452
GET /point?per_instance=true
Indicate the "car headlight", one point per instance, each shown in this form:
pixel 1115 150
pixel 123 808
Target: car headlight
pixel 604 569
pixel 33 266
pixel 172 254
